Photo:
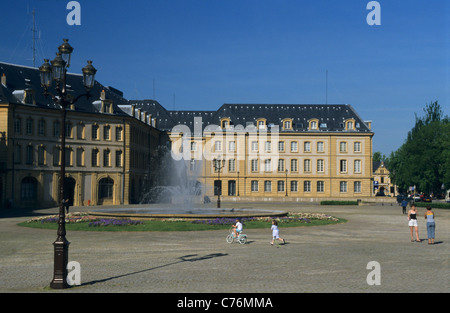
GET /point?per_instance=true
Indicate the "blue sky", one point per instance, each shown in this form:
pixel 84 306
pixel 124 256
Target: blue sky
pixel 199 54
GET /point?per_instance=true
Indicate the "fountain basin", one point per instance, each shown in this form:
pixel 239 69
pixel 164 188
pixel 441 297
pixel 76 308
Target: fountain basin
pixel 190 213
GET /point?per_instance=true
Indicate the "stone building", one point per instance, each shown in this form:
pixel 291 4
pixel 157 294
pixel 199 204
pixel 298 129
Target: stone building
pixel 107 150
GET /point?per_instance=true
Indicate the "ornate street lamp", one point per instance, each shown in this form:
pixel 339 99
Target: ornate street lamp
pixel 57 72
pixel 218 166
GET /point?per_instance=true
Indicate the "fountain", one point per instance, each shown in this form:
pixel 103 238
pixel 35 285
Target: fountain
pixel 178 195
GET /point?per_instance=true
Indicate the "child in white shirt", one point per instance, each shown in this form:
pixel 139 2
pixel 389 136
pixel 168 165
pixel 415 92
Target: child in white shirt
pixel 275 232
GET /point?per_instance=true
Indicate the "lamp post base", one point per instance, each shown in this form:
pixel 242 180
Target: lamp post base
pixel 60 264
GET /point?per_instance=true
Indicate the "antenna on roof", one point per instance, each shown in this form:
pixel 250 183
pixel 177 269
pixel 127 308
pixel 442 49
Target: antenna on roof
pixel 33 31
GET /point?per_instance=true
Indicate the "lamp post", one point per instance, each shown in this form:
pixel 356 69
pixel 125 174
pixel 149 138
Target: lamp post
pixel 286 183
pixel 56 71
pixel 218 165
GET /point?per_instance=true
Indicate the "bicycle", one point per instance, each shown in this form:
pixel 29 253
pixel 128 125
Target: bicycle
pixel 242 238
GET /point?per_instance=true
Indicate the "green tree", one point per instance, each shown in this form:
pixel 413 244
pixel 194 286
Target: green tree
pixel 423 160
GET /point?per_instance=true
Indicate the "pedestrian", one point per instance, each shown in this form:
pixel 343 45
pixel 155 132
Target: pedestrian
pixel 275 232
pixel 431 225
pixel 412 218
pixel 66 205
pixel 404 204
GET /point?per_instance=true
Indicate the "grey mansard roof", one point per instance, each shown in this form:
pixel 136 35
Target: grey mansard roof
pixel 20 78
pixel 330 117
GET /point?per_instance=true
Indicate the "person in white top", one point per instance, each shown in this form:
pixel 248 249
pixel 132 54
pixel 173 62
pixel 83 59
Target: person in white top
pixel 237 228
pixel 275 232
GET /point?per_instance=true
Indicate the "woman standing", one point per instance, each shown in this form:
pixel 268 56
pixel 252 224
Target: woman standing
pixel 431 225
pixel 412 217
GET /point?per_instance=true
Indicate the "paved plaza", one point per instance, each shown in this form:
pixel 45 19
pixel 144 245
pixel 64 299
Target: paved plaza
pixel 331 258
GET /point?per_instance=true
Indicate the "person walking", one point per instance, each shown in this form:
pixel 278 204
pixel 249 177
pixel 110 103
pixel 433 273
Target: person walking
pixel 275 232
pixel 431 225
pixel 404 204
pixel 412 218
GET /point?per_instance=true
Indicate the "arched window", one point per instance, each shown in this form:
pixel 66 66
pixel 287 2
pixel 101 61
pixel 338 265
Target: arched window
pixel 105 188
pixel 28 188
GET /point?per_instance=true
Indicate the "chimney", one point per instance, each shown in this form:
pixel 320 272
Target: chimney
pixel 103 95
pixel 4 79
pixel 369 124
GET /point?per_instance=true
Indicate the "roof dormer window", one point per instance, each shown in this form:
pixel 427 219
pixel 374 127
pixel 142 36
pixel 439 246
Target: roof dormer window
pixel 313 124
pixel 287 124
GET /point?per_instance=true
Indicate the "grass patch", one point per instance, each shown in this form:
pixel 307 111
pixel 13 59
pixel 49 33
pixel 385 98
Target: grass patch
pixel 84 222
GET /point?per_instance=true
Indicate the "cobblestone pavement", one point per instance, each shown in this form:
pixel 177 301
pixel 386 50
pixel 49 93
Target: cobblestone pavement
pixel 331 258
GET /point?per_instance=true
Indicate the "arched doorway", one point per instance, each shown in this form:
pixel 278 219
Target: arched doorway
pixel 106 191
pixel 28 191
pixel 69 189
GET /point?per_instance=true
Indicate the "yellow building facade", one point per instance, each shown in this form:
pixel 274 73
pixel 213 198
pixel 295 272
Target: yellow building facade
pixel 108 151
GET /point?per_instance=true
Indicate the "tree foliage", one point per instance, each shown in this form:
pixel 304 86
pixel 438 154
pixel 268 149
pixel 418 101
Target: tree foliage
pixel 424 159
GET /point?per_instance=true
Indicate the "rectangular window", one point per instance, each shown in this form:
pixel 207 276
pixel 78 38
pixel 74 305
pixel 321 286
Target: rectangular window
pixel 280 165
pixel 106 132
pixel 294 186
pixel 294 146
pixel 307 186
pixel 94 132
pixel 320 147
pixel 294 167
pixel 29 126
pixel 41 128
pixel 307 146
pixel 80 157
pixel 320 186
pixel 280 185
pixel 41 155
pixel 118 158
pixel 232 146
pixel 268 146
pixel 119 131
pixel 232 165
pixel 268 165
pixel 106 160
pixel 254 185
pixel 254 146
pixel 267 186
pixel 343 166
pixel 94 156
pixel 357 166
pixel 343 146
pixel 357 147
pixel 320 168
pixel 254 165
pixel 307 165
pixel 281 146
pixel 357 186
pixel 343 186
pixel 30 155
pixel 218 146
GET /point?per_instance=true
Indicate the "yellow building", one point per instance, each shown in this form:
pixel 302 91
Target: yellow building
pixel 383 185
pixel 115 148
pixel 107 150
pixel 271 151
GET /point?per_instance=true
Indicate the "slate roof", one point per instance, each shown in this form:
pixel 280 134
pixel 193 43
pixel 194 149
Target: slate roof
pixel 331 117
pixel 19 78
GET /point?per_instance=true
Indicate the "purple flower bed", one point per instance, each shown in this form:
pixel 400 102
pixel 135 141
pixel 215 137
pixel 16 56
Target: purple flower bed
pixel 223 221
pixel 113 222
